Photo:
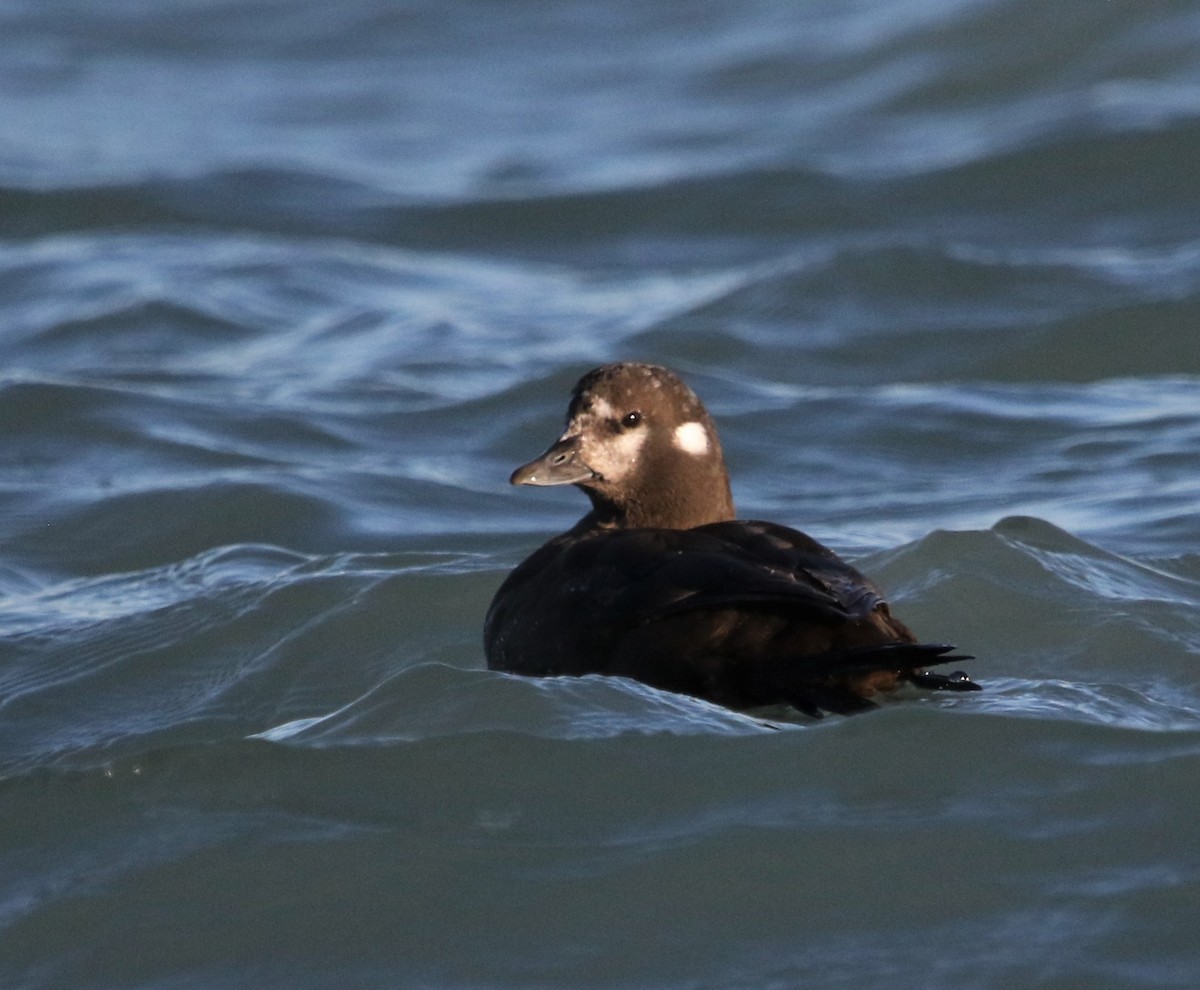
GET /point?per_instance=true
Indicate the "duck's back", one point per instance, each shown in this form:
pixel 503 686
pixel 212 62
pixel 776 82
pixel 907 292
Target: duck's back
pixel 742 613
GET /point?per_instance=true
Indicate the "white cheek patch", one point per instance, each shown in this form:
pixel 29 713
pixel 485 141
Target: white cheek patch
pixel 617 457
pixel 692 438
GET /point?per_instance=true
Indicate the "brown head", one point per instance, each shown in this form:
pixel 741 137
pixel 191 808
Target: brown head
pixel 643 448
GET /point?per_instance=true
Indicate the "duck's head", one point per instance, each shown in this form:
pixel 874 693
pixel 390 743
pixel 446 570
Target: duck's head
pixel 642 446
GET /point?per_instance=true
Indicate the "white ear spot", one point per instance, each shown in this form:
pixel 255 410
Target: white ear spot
pixel 692 438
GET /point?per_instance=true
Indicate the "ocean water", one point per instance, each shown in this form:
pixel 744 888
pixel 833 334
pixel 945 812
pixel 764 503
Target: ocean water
pixel 287 288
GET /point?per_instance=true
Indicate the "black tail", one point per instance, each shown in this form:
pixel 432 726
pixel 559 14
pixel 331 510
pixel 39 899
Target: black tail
pixel 887 656
pixel 823 681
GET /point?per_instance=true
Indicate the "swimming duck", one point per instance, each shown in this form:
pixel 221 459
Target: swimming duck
pixel 661 582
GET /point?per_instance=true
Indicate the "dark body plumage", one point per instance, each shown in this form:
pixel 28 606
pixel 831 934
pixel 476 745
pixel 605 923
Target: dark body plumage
pixel 660 582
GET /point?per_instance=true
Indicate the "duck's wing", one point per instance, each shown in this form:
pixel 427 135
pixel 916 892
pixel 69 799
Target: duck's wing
pixel 739 565
pixel 578 594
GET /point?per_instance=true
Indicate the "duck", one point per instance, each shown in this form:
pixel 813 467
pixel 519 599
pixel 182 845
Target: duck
pixel 662 583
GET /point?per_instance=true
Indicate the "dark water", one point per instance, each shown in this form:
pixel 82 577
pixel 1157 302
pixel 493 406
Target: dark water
pixel 286 290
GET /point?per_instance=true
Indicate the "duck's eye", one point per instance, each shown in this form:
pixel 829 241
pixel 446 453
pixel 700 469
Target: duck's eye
pixel 630 420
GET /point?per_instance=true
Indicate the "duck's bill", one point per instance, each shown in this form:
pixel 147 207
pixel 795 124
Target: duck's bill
pixel 560 465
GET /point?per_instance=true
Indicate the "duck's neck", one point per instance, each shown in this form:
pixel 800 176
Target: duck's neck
pixel 682 508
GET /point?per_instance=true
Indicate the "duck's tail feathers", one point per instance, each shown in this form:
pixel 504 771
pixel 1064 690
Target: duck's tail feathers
pixel 825 681
pixel 906 657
